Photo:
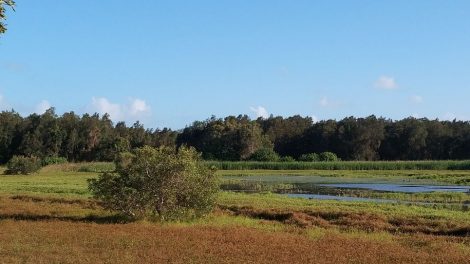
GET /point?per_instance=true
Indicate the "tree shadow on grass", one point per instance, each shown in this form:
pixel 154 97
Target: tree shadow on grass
pixel 97 219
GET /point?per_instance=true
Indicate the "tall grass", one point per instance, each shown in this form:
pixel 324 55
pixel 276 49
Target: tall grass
pixel 342 165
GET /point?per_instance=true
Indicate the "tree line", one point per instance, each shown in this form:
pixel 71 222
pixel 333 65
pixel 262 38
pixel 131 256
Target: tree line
pixel 97 138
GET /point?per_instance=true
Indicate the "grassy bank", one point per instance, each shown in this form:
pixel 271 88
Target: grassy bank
pixel 460 177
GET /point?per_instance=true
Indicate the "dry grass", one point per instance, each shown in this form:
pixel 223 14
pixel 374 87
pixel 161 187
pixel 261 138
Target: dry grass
pixel 59 230
pixel 368 222
pixel 66 242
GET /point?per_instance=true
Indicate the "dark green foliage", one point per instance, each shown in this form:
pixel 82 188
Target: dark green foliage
pixel 232 138
pixel 310 157
pixel 53 160
pixel 85 138
pixel 96 138
pixel 159 183
pixel 287 159
pixel 264 154
pixel 4 3
pixel 327 156
pixel 23 165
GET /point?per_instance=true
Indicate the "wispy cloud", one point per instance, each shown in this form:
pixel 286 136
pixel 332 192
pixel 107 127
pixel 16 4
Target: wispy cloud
pixel 451 116
pixel 131 111
pixel 4 104
pixel 328 103
pixel 42 107
pixel 325 102
pixel 386 83
pixel 416 99
pixel 260 111
pixel 15 67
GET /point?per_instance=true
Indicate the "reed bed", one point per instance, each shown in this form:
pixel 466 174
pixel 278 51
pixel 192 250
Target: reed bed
pixel 342 165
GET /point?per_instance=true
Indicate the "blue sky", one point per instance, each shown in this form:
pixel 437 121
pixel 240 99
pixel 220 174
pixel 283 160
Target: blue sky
pixel 168 63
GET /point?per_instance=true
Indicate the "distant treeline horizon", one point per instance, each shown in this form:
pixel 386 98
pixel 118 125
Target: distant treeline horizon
pixel 91 137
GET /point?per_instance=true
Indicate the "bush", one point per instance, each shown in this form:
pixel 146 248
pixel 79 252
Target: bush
pixel 99 167
pixel 23 165
pixel 310 157
pixel 53 160
pixel 158 183
pixel 264 154
pixel 287 159
pixel 328 156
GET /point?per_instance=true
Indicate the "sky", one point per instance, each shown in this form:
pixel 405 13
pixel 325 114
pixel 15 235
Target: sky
pixel 169 63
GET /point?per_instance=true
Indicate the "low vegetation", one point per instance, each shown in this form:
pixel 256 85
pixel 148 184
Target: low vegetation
pixel 23 165
pixel 342 165
pixel 46 214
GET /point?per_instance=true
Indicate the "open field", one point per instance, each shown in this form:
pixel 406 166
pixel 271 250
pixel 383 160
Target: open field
pixel 50 218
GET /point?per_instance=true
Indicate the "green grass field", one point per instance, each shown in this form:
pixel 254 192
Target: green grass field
pixel 50 217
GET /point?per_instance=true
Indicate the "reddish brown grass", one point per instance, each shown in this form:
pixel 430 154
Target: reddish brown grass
pixel 356 220
pixel 50 230
pixel 66 242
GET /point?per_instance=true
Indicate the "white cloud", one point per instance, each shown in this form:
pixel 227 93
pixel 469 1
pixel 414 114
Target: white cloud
pixel 132 111
pixel 416 99
pixel 260 111
pixel 449 116
pixel 103 106
pixel 138 106
pixel 325 102
pixel 386 83
pixel 315 119
pixel 2 102
pixel 4 105
pixel 42 107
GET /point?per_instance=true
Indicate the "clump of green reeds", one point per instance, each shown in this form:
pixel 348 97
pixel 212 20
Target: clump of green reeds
pixel 342 165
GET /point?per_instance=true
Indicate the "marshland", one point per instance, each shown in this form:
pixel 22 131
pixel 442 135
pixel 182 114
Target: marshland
pixel 234 131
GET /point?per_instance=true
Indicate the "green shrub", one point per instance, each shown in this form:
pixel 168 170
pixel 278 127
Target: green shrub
pixel 328 156
pixel 265 154
pixel 99 167
pixel 287 159
pixel 23 165
pixel 53 160
pixel 158 183
pixel 310 157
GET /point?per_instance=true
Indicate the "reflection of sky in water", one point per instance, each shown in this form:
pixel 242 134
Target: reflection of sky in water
pixel 338 198
pixel 318 180
pixel 400 188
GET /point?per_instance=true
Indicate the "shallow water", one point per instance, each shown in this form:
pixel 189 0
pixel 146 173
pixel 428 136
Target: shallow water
pixel 338 198
pixel 386 187
pixel 348 189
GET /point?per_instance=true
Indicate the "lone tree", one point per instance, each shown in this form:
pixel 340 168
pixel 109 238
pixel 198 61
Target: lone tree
pixel 158 183
pixel 3 4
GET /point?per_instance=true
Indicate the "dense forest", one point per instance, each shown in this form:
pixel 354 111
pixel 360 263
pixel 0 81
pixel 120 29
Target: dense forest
pixel 97 138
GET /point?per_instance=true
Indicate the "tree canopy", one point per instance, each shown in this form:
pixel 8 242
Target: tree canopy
pixel 3 5
pixel 97 138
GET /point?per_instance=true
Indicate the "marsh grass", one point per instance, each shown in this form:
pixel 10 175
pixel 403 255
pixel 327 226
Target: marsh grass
pixel 342 165
pixel 49 218
pixel 411 176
